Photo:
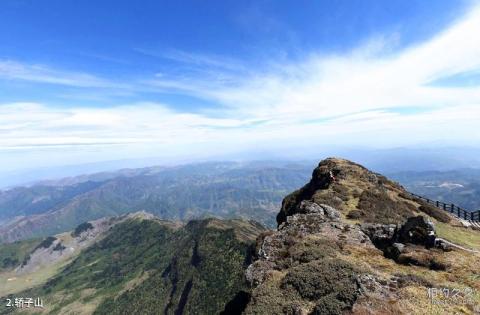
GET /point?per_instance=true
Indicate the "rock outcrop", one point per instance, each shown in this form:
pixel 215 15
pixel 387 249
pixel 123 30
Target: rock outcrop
pixel 358 194
pixel 304 249
pixel 323 260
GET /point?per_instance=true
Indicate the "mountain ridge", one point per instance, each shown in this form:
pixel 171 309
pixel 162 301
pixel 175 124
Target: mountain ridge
pixel 222 190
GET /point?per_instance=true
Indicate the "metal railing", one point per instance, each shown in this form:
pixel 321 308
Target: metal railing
pixel 453 209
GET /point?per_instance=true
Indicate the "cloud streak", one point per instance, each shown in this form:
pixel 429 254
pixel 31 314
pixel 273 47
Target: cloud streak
pixel 13 70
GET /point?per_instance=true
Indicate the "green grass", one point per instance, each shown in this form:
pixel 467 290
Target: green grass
pixel 12 283
pixel 459 235
pixel 197 276
pixel 11 255
pixel 154 265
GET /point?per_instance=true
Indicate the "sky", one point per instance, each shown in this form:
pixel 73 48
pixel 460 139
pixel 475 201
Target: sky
pixel 89 81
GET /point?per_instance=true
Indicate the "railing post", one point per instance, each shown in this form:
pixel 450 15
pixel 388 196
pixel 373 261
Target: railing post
pixel 459 212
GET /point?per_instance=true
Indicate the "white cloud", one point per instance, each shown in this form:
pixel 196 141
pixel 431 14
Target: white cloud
pixel 363 80
pixel 30 124
pixel 365 97
pixel 13 70
pixel 196 59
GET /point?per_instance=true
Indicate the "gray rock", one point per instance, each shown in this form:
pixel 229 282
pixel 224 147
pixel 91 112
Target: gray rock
pixel 381 235
pixel 258 272
pixel 443 245
pixel 399 247
pixel 417 230
pixel 331 213
pixel 309 207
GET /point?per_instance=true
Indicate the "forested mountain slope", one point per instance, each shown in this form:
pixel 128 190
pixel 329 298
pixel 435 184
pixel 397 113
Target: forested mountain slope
pixel 143 263
pixel 224 190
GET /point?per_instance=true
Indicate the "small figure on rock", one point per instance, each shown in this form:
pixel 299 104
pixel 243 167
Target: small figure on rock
pixel 332 177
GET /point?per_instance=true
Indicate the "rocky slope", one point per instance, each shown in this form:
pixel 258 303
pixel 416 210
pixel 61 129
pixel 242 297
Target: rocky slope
pixel 358 194
pixel 28 263
pixel 351 241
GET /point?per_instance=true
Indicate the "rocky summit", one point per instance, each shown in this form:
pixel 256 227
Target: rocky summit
pixel 352 241
pixel 358 194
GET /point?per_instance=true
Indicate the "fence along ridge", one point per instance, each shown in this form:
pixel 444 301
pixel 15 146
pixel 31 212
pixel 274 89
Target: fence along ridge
pixel 452 208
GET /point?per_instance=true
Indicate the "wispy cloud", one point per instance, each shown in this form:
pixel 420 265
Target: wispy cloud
pixel 31 124
pixel 196 59
pixel 371 77
pixel 14 70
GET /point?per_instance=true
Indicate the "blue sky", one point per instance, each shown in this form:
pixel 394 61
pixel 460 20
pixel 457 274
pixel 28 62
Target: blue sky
pixel 94 80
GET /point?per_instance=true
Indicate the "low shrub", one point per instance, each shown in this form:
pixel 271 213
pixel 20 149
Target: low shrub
pixel 422 258
pixel 378 207
pixel 82 228
pixel 331 282
pixel 434 212
pixel 46 243
pixel 407 196
pixel 341 191
pixel 405 280
pixel 328 305
pixel 356 193
pixel 354 214
pixel 307 252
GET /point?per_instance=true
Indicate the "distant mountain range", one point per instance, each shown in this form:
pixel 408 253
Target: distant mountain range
pixel 348 241
pixel 431 157
pixel 461 187
pixel 251 190
pixel 217 189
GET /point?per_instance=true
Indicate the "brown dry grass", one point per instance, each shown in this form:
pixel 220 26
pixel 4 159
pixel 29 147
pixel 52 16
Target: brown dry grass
pixel 464 273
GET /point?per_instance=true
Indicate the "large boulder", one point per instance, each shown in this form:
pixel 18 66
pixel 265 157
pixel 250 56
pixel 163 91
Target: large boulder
pixel 417 230
pixel 381 235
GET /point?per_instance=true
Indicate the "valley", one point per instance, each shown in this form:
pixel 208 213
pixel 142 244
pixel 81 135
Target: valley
pixel 341 245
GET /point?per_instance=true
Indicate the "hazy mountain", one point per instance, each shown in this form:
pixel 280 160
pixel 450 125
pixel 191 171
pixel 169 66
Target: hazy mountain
pixel 223 189
pixel 421 158
pixel 461 187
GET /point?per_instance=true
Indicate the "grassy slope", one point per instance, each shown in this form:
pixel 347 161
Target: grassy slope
pixel 168 266
pixel 459 235
pixel 14 282
pixel 205 271
pixel 14 253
